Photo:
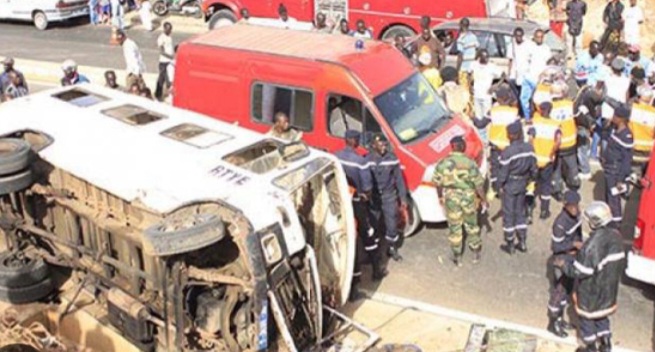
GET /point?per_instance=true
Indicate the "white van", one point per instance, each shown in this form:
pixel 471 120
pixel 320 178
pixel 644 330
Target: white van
pixel 43 12
pixel 185 231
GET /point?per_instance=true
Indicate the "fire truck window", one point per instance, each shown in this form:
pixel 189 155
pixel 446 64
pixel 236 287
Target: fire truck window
pixel 371 128
pixel 343 113
pixel 268 99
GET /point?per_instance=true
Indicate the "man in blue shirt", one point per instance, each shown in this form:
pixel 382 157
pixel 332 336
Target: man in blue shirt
pixel 635 60
pixel 5 79
pixel 467 47
pixel 71 76
pixel 588 64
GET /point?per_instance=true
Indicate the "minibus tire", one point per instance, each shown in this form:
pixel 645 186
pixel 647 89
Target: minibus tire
pixel 27 274
pixel 15 155
pixel 27 294
pixel 206 233
pixel 412 229
pixel 224 14
pixel 16 182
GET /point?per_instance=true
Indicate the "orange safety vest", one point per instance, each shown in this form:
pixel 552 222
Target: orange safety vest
pixel 543 142
pixel 642 125
pixel 541 94
pixel 501 116
pixel 563 113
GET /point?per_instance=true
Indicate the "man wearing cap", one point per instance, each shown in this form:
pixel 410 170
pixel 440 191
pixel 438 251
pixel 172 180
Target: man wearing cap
pixel 459 182
pixel 5 80
pixel 566 239
pixel 358 174
pixel 597 270
pixel 518 167
pixel 501 115
pixel 390 192
pixel 586 109
pixel 545 137
pixel 566 166
pixel 642 125
pixel 617 160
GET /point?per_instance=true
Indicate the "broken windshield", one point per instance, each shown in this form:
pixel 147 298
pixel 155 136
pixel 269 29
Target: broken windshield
pixel 412 108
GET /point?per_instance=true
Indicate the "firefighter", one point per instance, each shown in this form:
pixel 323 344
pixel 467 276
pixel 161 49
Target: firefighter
pixel 500 116
pixel 566 165
pixel 597 268
pixel 358 174
pixel 616 161
pixel 545 137
pixel 390 191
pixel 518 166
pixel 566 239
pixel 642 125
pixel 459 182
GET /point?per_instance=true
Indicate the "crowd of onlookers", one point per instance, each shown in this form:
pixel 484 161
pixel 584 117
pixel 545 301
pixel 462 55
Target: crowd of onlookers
pixel 112 12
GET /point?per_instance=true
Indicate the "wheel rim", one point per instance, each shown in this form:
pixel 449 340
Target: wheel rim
pixel 223 22
pixel 40 20
pixel 159 9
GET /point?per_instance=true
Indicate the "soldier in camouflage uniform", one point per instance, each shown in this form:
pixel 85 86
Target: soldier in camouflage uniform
pixel 458 182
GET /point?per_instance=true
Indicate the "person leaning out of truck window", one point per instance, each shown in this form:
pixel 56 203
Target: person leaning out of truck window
pixel 321 24
pixel 343 28
pixel 285 21
pixel 362 32
pixel 282 128
pixel 467 47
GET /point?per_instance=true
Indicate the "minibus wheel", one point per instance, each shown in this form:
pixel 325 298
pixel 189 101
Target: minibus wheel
pixel 14 155
pixel 27 294
pixel 16 182
pixel 20 271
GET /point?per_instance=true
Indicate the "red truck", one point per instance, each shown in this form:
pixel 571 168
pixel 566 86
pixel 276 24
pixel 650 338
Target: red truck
pixel 641 260
pixel 385 18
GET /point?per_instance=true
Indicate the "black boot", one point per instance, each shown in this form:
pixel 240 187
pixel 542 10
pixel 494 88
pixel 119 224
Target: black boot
pixel 554 326
pixel 509 247
pixel 587 348
pixel 477 255
pixel 522 246
pixel 393 254
pixel 605 344
pixel 355 293
pixel 545 214
pixel 457 259
pixel 379 271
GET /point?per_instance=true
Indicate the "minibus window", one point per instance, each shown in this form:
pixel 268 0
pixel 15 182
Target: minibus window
pixel 343 113
pixel 195 135
pixel 412 109
pixel 298 104
pixel 133 115
pixel 79 97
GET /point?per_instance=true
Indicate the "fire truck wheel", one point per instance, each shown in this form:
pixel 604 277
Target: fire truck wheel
pixel 16 182
pixel 393 31
pixel 14 155
pixel 17 271
pixel 222 18
pixel 27 294
pixel 413 220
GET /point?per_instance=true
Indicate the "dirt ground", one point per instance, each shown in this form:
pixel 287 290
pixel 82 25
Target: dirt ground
pixel 593 22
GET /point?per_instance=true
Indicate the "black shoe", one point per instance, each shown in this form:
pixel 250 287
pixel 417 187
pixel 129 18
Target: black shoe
pixel 557 196
pixel 545 214
pixel 509 248
pixel 587 348
pixel 605 344
pixel 555 327
pixel 457 260
pixel 521 246
pixel 565 324
pixel 477 255
pixel 355 295
pixel 393 254
pixel 529 218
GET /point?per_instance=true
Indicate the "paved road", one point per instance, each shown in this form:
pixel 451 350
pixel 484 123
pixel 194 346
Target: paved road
pixel 503 287
pixel 86 44
pixel 511 288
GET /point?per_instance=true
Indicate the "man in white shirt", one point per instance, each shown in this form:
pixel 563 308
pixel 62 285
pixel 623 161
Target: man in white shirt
pixel 166 52
pixel 117 14
pixel 634 18
pixel 135 66
pixel 483 73
pixel 285 21
pixel 538 55
pixel 617 87
pixel 361 31
pixel 518 54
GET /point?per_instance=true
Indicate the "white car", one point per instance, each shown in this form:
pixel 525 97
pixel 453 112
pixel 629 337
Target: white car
pixel 43 12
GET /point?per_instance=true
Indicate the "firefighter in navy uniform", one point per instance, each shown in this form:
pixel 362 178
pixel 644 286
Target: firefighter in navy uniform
pixel 390 191
pixel 617 160
pixel 565 242
pixel 358 174
pixel 518 167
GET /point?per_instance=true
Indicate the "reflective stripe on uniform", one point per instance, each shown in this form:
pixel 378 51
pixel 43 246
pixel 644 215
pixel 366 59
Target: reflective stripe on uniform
pixel 515 157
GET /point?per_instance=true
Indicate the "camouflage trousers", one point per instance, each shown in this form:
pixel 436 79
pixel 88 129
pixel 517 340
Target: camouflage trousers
pixel 461 213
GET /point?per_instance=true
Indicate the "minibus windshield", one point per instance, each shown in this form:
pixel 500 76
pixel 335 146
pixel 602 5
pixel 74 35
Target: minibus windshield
pixel 412 109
